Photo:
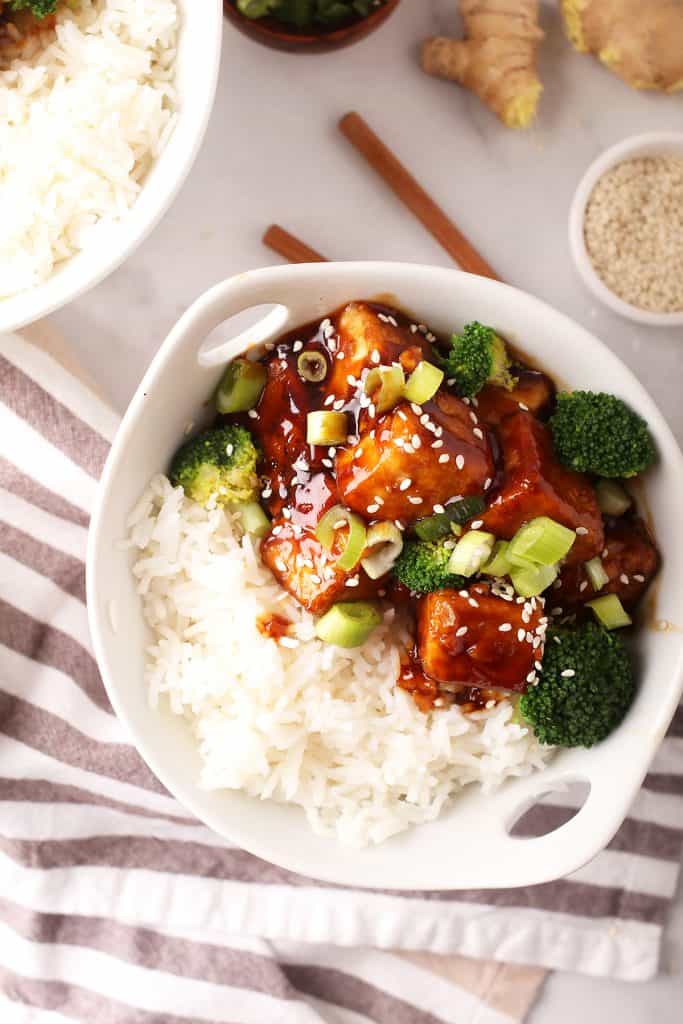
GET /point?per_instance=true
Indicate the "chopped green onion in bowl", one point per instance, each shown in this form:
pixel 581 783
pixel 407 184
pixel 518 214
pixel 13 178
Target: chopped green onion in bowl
pixel 384 385
pixel 613 499
pixel 241 386
pixel 471 552
pixel 531 580
pixel 423 383
pixel 383 545
pixel 348 624
pixel 338 518
pixel 439 525
pixel 312 367
pixel 610 612
pixel 326 427
pixel 541 541
pixel 499 564
pixel 595 571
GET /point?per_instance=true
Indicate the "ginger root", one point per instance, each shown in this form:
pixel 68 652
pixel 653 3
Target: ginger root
pixel 496 59
pixel 640 42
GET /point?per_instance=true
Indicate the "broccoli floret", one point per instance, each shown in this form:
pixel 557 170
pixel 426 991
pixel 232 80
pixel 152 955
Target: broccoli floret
pixel 422 566
pixel 478 356
pixel 584 707
pixel 218 464
pixel 598 433
pixel 40 8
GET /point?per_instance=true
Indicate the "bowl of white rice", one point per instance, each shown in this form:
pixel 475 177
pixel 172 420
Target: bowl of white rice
pixel 305 754
pixel 102 112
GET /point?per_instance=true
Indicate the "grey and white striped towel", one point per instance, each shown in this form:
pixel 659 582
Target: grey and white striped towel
pixel 117 906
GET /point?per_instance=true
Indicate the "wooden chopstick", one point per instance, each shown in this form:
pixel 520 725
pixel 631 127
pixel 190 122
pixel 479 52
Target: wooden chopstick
pixel 411 193
pixel 290 247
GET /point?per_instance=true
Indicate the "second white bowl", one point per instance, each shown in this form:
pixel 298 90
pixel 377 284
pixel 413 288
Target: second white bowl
pixel 648 144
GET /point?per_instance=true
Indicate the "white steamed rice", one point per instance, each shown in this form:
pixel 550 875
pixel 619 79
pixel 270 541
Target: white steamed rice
pixel 84 111
pixel 298 721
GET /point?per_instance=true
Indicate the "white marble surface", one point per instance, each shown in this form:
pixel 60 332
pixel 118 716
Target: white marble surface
pixel 273 154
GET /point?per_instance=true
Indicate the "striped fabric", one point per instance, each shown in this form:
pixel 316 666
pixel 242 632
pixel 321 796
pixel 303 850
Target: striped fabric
pixel 117 907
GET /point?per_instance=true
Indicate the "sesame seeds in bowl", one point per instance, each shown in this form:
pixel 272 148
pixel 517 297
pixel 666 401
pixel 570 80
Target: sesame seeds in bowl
pixel 626 228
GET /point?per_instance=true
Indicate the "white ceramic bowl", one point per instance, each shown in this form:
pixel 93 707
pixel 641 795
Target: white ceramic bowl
pixel 648 144
pixel 469 846
pixel 199 48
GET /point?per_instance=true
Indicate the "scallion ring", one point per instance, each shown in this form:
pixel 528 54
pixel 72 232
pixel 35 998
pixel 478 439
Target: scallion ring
pixel 312 367
pixel 348 624
pixel 326 427
pixel 384 384
pixel 423 383
pixel 241 386
pixel 326 531
pixel 383 545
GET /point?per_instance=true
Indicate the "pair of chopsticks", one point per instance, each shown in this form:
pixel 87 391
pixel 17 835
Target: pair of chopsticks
pixel 406 188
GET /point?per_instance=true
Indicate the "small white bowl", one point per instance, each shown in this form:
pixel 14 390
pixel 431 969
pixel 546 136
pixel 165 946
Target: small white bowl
pixel 197 64
pixel 469 846
pixel 647 144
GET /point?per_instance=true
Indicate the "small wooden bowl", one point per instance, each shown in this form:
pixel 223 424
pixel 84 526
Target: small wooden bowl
pixel 273 33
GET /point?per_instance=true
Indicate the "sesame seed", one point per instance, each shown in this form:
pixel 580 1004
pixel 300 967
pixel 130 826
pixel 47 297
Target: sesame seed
pixel 340 355
pixel 437 444
pixel 328 463
pixel 280 564
pixel 408 449
pixel 487 483
pixel 521 633
pixel 288 641
pixel 460 461
pixel 581 531
pixel 461 631
pixel 583 587
pixel 266 492
pixel 329 400
pixel 414 499
pixel 276 530
pixel 431 337
pixel 473 603
pixel 380 501
pixel 417 409
pixel 416 440
pixel 253 415
pixel 474 417
pixel 287 513
pixel 439 509
pixel 557 640
pixel 476 524
pixel 568 673
pixel 463 593
pixel 444 458
pixel 478 433
pixel 372 411
pixel 339 404
pixel 505 627
pixel 297 346
pixel 523 406
pixel 353 582
pixel 373 508
pixel 531 678
pixel 405 484
pixel 413 328
pixel 316 579
pixel 538 666
pixel 358 454
pixel 350 379
pixel 282 491
pixel 638 577
pixel 624 578
pixel 375 357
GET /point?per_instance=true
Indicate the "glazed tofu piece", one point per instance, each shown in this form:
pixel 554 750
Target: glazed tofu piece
pixel 366 337
pixel 413 458
pixel 306 571
pixel 535 484
pixel 534 393
pixel 631 560
pixel 476 638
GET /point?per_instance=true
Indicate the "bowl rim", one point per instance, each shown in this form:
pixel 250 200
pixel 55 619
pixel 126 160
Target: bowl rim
pixel 555 855
pixel 91 265
pixel 631 147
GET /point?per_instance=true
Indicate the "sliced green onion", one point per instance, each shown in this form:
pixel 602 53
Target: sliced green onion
pixel 383 545
pixel 325 427
pixel 423 383
pixel 348 624
pixel 312 366
pixel 613 500
pixel 610 612
pixel 326 532
pixel 384 384
pixel 541 541
pixel 252 518
pixel 460 512
pixel 241 386
pixel 499 564
pixel 532 580
pixel 595 571
pixel 471 552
